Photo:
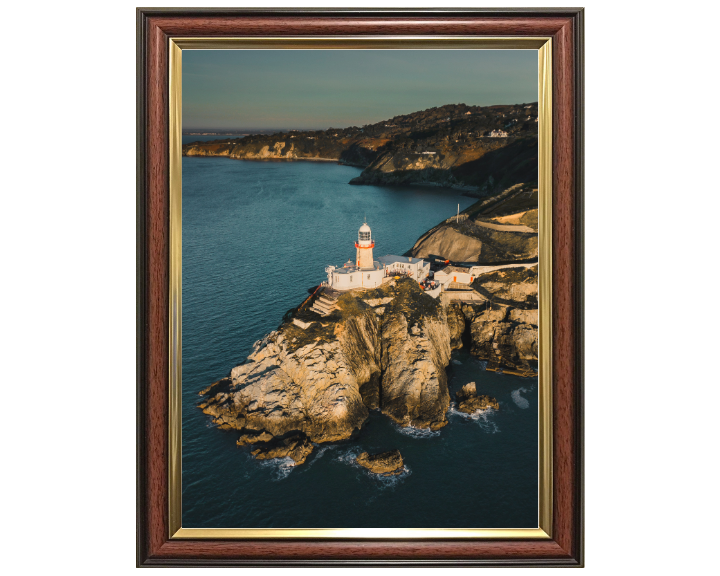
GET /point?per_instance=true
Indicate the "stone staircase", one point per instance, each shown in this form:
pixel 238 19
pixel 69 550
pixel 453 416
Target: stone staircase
pixel 324 305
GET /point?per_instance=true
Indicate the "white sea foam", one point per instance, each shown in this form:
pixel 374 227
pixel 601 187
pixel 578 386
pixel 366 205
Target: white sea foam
pixel 417 432
pixel 348 456
pixel 385 482
pixel 321 450
pixel 456 362
pixel 482 363
pixel 519 399
pixel 316 455
pixel 280 467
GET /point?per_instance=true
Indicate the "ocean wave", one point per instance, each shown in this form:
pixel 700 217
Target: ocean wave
pixel 348 456
pixel 519 400
pixel 280 468
pixel 318 453
pixel 456 362
pixel 416 432
pixel 384 482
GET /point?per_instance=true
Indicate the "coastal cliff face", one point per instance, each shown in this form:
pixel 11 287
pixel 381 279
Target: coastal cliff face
pixel 500 229
pixel 309 383
pixel 385 348
pixel 482 150
pixel 415 352
pixel 504 330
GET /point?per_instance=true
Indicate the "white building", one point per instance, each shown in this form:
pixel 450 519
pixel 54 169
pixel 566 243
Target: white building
pixel 498 134
pixel 365 272
pixel 455 274
pixel 416 268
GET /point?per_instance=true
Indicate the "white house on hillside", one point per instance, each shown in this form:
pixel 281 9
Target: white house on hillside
pixel 416 268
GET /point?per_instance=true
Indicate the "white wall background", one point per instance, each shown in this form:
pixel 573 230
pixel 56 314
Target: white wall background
pixel 68 306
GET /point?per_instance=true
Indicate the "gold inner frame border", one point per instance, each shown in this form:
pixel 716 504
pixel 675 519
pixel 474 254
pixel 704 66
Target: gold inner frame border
pixel 543 46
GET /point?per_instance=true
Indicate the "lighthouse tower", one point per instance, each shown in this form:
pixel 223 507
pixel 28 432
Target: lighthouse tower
pixel 364 247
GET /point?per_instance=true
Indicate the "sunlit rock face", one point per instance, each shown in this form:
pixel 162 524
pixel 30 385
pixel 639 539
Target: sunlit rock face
pixel 320 382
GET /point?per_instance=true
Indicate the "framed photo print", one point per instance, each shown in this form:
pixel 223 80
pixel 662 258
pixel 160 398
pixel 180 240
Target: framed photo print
pixel 359 287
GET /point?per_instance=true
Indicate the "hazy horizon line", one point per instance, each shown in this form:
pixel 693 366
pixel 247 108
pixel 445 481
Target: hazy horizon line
pixel 247 129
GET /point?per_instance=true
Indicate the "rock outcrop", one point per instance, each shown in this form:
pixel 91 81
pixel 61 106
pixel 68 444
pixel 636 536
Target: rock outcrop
pixel 504 330
pixel 415 351
pixel 469 401
pixel 386 463
pixel 385 348
pixel 306 381
pixel 297 447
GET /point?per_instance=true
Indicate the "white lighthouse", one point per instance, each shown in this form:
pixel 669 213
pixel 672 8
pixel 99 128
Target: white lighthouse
pixel 364 246
pixel 365 272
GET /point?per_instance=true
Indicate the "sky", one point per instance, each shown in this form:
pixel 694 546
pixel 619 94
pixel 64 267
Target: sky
pixel 284 89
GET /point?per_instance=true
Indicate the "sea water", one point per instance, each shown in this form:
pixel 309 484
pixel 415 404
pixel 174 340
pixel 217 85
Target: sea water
pixel 256 236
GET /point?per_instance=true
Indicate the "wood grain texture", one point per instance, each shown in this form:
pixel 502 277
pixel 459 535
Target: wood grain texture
pixel 311 25
pixel 154 28
pixel 157 295
pixel 563 278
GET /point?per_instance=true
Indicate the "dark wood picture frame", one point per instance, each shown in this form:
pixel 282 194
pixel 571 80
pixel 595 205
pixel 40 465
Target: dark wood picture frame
pixel 154 28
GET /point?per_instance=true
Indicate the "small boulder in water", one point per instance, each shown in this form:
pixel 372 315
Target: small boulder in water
pixel 387 463
pixel 467 391
pixel 469 401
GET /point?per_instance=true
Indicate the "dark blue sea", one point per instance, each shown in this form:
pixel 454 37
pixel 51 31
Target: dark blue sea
pixel 256 236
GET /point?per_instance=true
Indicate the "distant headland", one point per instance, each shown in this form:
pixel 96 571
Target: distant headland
pixel 479 150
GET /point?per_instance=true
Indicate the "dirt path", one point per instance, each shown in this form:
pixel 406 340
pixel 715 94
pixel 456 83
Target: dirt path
pixel 505 227
pixel 478 270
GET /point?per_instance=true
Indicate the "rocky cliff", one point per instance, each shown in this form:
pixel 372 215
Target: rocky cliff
pixel 385 348
pixel 415 352
pixel 482 150
pixel 503 329
pixel 499 236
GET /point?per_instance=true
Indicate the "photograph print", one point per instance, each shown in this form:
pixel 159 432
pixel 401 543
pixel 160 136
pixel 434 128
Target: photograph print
pixel 360 288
